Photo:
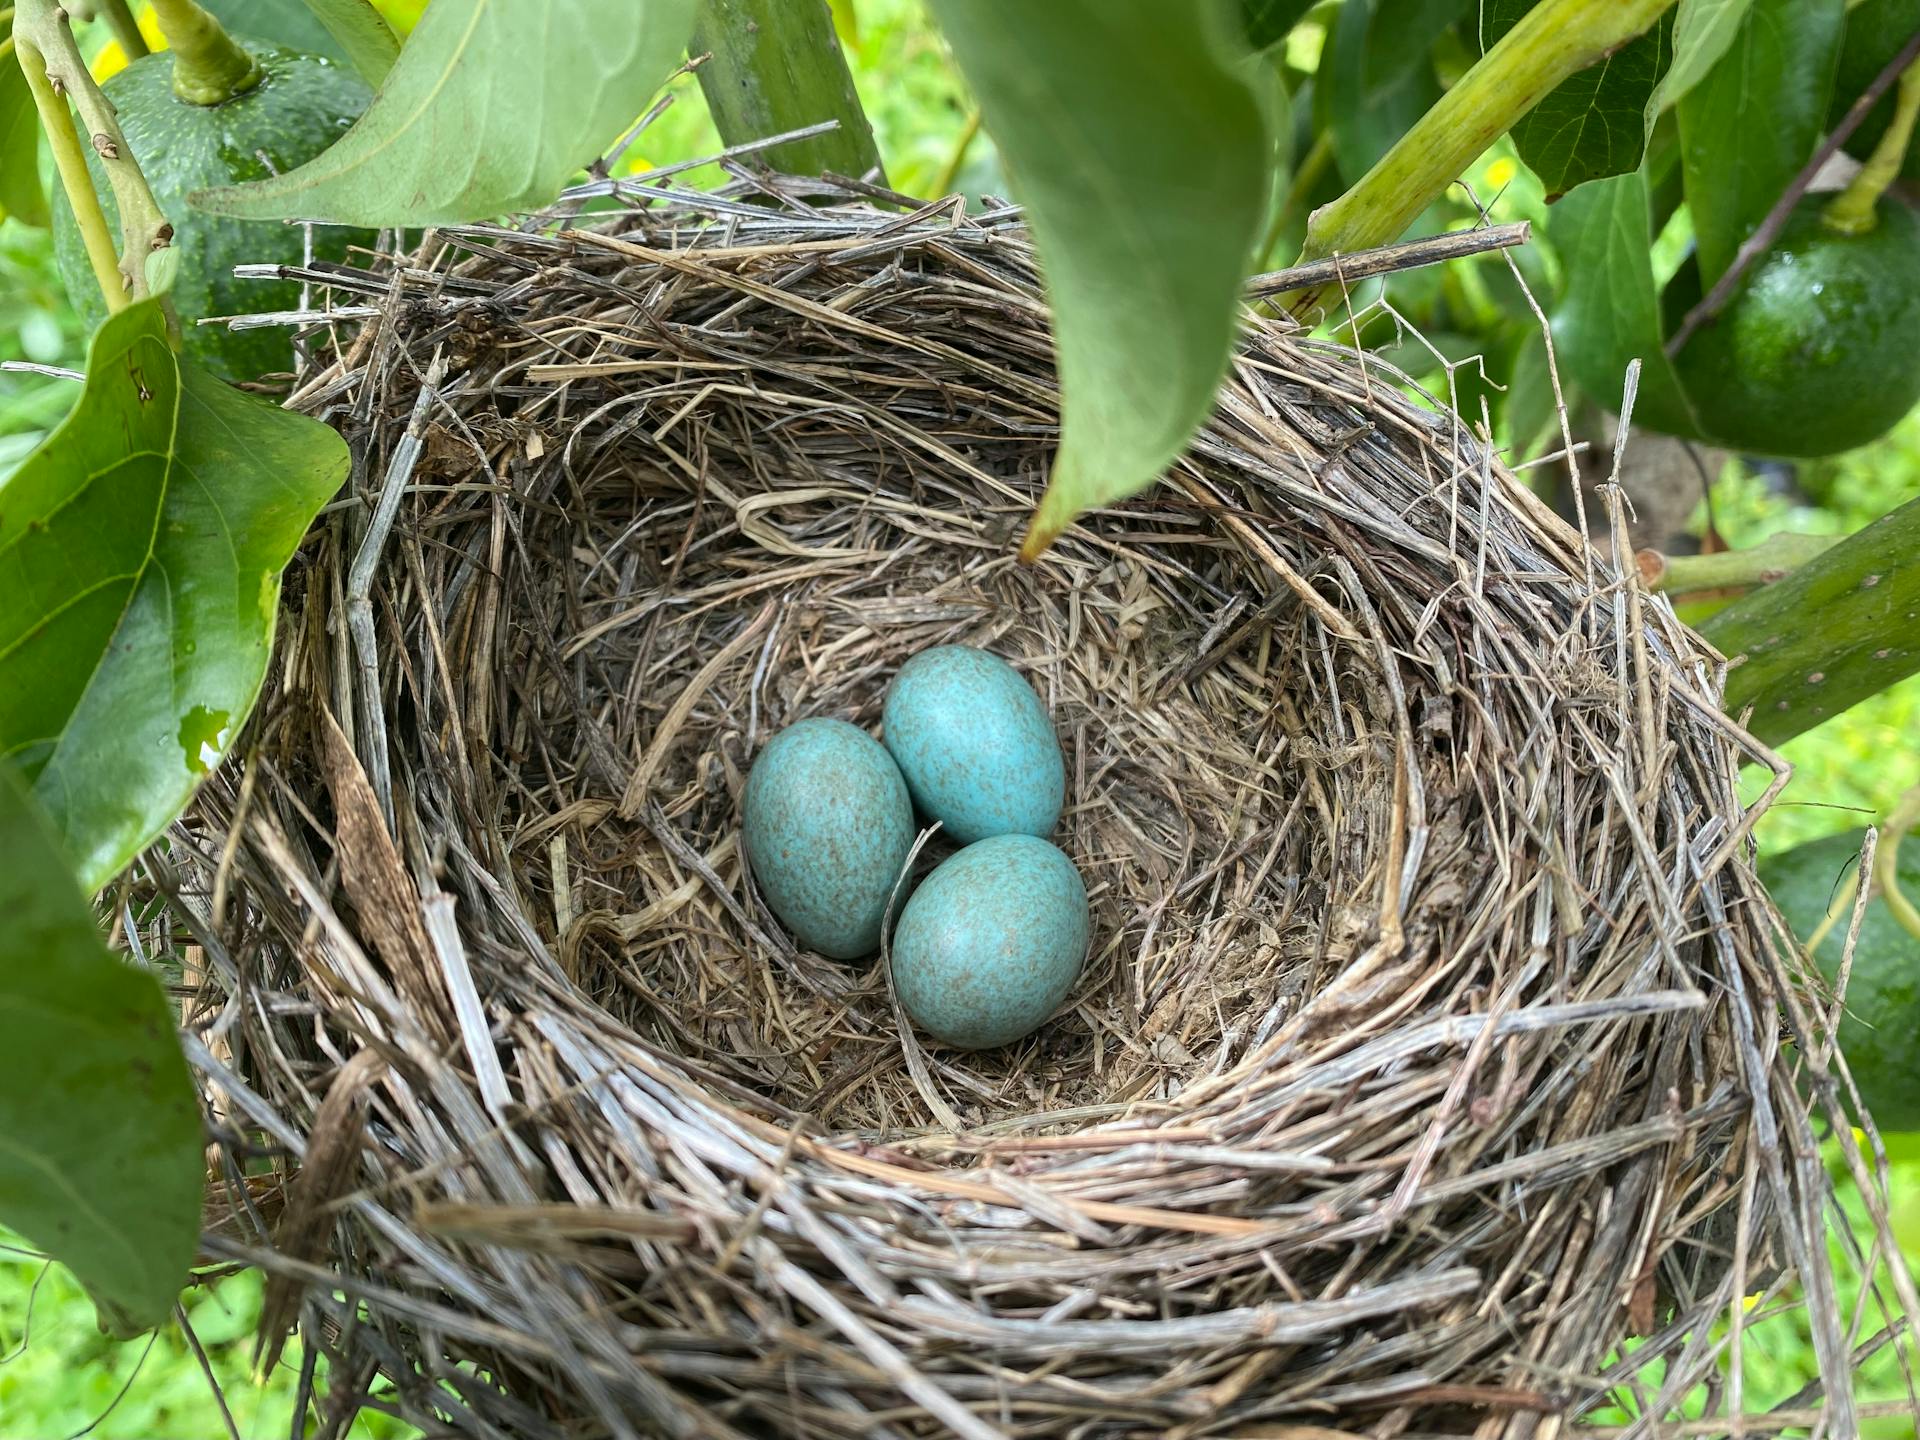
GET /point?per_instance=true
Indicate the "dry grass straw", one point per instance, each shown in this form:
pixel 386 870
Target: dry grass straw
pixel 1432 1039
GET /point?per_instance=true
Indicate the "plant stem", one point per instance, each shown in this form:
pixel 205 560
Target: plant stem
pixel 943 182
pixel 119 17
pixel 70 159
pixel 208 67
pixel 1852 211
pixel 1768 230
pixel 1886 861
pixel 776 66
pixel 1772 559
pixel 55 71
pixel 1551 41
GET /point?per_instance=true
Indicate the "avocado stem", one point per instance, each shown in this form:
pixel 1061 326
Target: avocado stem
pixel 119 17
pixel 57 72
pixel 1852 211
pixel 209 68
pixel 1550 42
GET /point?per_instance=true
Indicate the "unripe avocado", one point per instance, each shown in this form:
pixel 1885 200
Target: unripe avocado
pixel 302 106
pixel 1816 353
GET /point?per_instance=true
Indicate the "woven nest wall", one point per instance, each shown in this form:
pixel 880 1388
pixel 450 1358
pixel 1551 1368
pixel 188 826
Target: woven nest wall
pixel 1430 1043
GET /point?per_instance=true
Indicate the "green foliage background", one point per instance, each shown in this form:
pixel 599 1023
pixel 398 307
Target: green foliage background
pixel 59 1375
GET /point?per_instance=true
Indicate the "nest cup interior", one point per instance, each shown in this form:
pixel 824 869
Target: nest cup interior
pixel 792 578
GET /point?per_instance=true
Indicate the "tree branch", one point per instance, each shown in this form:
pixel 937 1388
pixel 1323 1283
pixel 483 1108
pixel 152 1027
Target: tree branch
pixel 1758 243
pixel 47 46
pixel 776 65
pixel 1772 559
pixel 1550 42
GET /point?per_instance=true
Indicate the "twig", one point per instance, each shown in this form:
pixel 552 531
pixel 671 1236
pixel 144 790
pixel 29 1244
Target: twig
pixel 1758 243
pixel 1551 41
pixel 1761 564
pixel 52 372
pixel 366 561
pixel 56 69
pixel 206 1369
pixel 1385 259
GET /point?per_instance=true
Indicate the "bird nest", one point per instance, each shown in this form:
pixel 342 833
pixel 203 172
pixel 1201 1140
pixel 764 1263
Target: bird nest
pixel 1430 1044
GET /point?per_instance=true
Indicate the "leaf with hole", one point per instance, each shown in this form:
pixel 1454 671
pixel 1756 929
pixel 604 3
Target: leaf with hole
pixel 141 547
pixel 492 107
pixel 1592 124
pixel 1754 121
pixel 1145 214
pixel 1883 988
pixel 351 32
pixel 21 193
pixel 1609 312
pixel 100 1159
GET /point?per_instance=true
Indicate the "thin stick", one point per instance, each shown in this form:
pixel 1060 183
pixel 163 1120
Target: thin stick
pixel 1758 243
pixel 366 561
pixel 1385 259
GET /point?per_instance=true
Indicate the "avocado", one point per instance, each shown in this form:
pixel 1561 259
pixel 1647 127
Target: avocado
pixel 1815 353
pixel 300 107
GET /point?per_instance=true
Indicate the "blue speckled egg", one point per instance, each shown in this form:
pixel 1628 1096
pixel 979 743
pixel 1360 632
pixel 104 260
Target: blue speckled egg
pixel 991 942
pixel 975 745
pixel 827 827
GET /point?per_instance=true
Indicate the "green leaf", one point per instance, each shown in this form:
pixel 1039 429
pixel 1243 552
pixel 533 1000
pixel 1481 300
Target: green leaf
pixel 1838 629
pixel 1593 124
pixel 1883 989
pixel 362 33
pixel 492 107
pixel 1145 214
pixel 21 193
pixel 1702 31
pixel 1753 122
pixel 100 1160
pixel 1609 311
pixel 1268 22
pixel 1377 77
pixel 349 31
pixel 1876 29
pixel 140 555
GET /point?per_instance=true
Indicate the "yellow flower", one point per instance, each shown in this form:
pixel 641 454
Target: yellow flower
pixel 112 60
pixel 1501 172
pixel 403 15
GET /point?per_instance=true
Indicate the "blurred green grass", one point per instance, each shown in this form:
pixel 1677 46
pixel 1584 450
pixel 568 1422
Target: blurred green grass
pixel 59 1375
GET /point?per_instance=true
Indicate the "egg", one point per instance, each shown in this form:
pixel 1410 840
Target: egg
pixel 975 745
pixel 991 942
pixel 828 826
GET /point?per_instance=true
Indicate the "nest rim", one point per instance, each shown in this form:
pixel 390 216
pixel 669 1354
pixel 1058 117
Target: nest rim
pixel 412 1024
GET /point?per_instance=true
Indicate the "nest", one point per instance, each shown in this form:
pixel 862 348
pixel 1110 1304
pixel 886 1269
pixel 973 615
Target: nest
pixel 1430 1044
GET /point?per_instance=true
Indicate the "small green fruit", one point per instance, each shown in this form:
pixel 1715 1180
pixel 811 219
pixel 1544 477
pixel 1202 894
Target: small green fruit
pixel 1816 351
pixel 303 105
